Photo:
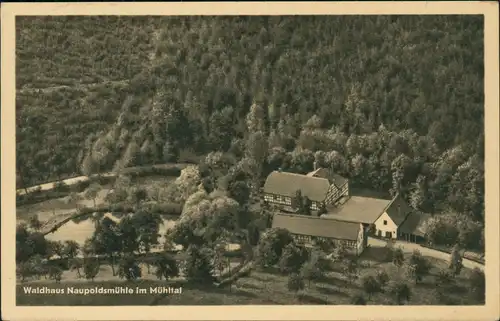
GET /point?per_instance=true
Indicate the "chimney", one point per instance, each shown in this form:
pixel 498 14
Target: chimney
pixel 315 165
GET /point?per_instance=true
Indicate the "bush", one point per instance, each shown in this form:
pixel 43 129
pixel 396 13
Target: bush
pixel 101 180
pixel 61 186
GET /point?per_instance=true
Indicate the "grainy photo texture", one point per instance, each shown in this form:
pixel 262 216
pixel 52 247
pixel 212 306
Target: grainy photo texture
pixel 250 160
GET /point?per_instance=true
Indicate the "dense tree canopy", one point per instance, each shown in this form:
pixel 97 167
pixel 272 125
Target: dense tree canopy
pixel 394 103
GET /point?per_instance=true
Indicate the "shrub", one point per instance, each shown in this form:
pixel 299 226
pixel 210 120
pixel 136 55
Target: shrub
pixel 358 299
pixel 129 268
pixel 61 186
pixel 400 291
pixel 292 258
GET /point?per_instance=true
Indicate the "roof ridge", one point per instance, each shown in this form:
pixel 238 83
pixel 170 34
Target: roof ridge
pixel 392 201
pixel 301 175
pixel 316 217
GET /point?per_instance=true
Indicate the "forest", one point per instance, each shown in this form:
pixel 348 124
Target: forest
pixel 394 103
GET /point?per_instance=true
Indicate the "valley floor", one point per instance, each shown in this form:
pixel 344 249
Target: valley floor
pixel 260 287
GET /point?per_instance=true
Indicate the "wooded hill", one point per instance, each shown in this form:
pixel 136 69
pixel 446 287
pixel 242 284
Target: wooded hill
pixel 395 103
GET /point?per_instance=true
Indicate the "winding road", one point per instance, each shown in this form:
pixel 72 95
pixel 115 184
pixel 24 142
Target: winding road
pixel 410 247
pixel 67 181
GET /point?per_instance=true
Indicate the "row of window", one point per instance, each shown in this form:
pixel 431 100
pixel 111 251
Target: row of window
pixel 286 200
pixel 308 239
pixel 278 199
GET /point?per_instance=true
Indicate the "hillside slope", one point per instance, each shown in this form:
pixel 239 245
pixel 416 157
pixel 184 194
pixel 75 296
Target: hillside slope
pixel 393 102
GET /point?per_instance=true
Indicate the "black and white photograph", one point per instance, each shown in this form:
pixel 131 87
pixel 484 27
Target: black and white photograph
pixel 251 159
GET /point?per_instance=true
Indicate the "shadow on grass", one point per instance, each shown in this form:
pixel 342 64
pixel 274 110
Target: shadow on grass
pixel 310 299
pixel 249 286
pixel 330 291
pixel 341 283
pixel 376 254
pixel 361 192
pixel 271 302
pixel 233 290
pixel 458 289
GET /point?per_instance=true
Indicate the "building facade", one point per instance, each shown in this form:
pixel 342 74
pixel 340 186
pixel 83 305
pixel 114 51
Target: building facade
pixel 392 218
pixel 321 187
pixel 310 231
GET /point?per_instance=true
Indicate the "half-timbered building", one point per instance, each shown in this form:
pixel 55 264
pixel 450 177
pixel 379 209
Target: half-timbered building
pixel 309 231
pixel 321 186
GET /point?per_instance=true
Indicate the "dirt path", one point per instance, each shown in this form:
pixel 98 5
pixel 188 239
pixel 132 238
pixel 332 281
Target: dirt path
pixel 410 247
pixel 68 181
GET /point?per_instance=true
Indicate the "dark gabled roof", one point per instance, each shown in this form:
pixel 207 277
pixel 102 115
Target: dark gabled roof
pixel 315 226
pixel 398 210
pixel 287 184
pixel 415 223
pixel 333 178
pixel 358 209
pixel 338 180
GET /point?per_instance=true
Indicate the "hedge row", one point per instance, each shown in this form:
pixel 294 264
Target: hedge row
pixel 166 209
pixel 448 251
pixel 171 209
pixel 155 170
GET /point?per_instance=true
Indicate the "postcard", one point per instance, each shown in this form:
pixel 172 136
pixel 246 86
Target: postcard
pixel 239 160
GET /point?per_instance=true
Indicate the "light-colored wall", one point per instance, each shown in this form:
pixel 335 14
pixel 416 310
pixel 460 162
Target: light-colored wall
pixel 390 227
pixel 360 243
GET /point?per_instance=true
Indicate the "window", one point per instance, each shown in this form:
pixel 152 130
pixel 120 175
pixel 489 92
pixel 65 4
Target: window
pixel 385 222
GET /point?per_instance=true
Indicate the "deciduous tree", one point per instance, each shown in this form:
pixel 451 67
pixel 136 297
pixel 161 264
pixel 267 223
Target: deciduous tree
pixel 417 266
pixel 358 299
pixel 295 283
pixel 91 268
pixel 271 246
pixel 166 267
pixel 129 268
pixel 370 285
pixel 400 291
pixel 292 258
pixel 398 257
pixel 198 267
pixel 455 264
pixel 93 191
pixel 35 223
